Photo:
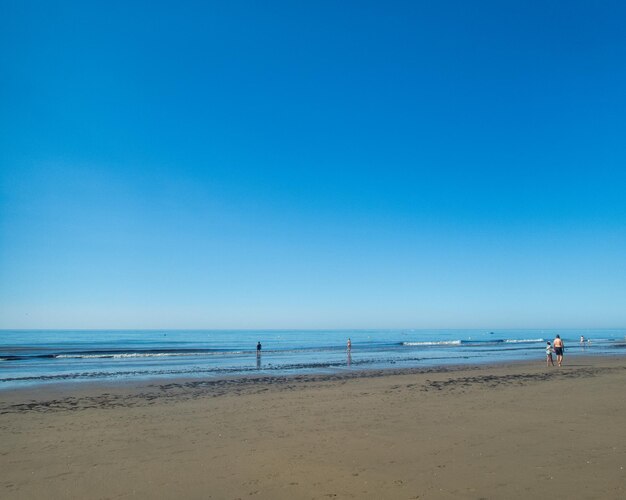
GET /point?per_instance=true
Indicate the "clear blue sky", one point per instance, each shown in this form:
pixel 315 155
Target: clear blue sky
pixel 323 164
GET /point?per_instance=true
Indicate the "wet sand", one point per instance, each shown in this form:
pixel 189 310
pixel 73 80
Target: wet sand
pixel 489 432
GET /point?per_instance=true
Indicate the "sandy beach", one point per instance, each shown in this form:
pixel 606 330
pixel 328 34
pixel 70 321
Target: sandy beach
pixel 488 432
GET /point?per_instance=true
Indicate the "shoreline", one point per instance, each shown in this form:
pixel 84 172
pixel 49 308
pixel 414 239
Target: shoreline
pixel 506 430
pixel 33 360
pixel 112 393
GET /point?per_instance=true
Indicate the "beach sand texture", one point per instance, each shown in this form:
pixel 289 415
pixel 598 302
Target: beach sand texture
pixel 491 432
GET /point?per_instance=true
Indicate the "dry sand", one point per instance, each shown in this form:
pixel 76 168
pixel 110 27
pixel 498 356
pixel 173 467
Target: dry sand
pixel 491 432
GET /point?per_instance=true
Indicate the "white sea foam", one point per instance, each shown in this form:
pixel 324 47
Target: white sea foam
pixel 139 355
pixel 522 341
pixel 442 342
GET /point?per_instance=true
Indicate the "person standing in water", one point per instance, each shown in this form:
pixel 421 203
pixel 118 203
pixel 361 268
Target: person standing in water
pixel 258 348
pixel 559 347
pixel 349 345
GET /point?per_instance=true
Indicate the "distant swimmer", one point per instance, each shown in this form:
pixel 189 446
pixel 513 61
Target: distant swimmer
pixel 559 347
pixel 582 339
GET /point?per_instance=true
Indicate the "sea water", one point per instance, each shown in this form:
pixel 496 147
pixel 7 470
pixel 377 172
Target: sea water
pixel 30 357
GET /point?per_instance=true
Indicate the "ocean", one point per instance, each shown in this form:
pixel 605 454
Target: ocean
pixel 34 357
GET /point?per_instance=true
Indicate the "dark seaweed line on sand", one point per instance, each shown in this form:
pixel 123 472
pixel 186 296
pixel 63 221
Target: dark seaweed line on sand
pixel 493 381
pixel 174 392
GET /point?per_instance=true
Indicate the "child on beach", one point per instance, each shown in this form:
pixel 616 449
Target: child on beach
pixel 549 351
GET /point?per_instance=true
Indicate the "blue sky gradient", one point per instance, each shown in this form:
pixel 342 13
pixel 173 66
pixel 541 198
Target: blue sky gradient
pixel 312 165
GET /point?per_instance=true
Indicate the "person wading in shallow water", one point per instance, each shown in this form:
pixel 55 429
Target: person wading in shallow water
pixel 258 348
pixel 559 347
